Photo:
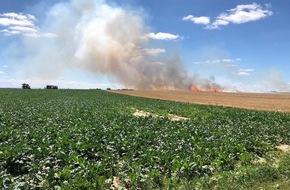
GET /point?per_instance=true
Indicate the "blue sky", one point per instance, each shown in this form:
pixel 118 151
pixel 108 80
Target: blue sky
pixel 241 45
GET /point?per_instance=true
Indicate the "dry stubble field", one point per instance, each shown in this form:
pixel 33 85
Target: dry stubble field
pixel 256 101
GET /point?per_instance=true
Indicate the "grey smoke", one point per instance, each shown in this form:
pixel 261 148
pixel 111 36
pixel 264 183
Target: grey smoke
pixel 275 81
pixel 104 39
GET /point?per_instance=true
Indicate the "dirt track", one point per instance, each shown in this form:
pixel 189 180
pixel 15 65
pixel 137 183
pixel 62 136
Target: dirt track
pixel 255 101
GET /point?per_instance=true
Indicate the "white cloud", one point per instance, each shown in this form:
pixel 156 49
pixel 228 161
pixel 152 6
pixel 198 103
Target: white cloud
pixel 48 35
pixel 231 65
pixel 219 22
pixel 245 13
pixel 162 36
pixel 21 24
pixel 197 20
pixel 12 21
pixel 188 17
pixel 154 51
pixel 18 16
pixel 218 61
pixel 238 15
pixel 228 60
pixel 22 29
pixel 1 72
pixel 17 23
pixel 242 73
pixel 5 66
pixel 246 70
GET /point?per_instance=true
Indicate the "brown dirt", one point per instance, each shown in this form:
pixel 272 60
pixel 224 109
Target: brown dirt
pixel 255 101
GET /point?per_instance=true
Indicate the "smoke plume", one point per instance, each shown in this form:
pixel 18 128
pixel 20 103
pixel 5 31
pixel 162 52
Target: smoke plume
pixel 105 39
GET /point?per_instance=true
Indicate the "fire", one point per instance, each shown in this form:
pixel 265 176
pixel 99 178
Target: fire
pixel 194 88
pixel 215 89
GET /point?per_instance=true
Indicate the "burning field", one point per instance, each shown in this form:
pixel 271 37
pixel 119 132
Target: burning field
pixel 194 88
pixel 214 96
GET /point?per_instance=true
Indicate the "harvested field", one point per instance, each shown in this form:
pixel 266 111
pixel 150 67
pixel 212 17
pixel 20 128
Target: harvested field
pixel 255 101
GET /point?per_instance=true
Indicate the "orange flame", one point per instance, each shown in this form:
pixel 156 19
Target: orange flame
pixel 215 89
pixel 194 88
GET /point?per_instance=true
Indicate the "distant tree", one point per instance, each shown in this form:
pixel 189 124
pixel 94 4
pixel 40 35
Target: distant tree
pixel 108 88
pixel 25 86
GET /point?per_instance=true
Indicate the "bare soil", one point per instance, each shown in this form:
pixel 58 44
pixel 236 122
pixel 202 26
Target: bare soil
pixel 141 113
pixel 255 101
pixel 284 147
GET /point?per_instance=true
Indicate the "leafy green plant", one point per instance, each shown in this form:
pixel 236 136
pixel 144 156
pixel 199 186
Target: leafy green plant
pixel 84 139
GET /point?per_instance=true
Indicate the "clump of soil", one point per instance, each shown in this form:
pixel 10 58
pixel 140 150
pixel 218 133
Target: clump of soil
pixel 284 147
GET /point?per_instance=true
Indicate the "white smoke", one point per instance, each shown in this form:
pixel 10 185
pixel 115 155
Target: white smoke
pixel 104 39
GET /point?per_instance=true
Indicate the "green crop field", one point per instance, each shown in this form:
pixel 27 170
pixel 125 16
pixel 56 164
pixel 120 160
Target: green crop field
pixel 90 139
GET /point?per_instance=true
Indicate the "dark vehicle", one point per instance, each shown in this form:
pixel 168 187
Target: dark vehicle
pixel 51 87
